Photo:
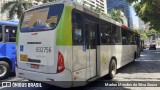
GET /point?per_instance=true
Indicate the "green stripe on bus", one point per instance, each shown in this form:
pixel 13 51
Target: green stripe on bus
pixel 17 35
pixel 64 28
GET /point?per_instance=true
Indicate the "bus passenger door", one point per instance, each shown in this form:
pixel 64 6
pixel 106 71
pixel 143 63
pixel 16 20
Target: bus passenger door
pixel 90 42
pixel 84 48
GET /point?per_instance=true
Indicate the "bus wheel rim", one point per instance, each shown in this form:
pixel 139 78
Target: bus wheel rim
pixel 3 70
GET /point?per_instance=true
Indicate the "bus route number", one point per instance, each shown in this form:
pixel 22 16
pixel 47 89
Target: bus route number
pixel 43 49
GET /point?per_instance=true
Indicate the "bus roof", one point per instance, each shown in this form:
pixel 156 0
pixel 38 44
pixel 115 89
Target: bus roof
pixel 78 7
pixel 83 9
pixel 9 23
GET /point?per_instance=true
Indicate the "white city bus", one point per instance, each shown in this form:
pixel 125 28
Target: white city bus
pixel 63 41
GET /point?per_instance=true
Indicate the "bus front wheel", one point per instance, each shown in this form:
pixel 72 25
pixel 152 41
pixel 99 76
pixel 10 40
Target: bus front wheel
pixel 4 70
pixel 112 69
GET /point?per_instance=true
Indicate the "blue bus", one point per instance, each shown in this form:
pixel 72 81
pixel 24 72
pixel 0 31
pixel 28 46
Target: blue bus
pixel 7 47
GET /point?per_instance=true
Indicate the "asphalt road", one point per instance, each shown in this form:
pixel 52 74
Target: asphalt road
pixel 144 71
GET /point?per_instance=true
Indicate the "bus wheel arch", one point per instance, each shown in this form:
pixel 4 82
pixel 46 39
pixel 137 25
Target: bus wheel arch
pixel 112 68
pixel 6 66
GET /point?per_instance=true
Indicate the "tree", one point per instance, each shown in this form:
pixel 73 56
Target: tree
pixel 143 34
pixel 16 7
pixel 148 34
pixel 148 11
pixel 116 15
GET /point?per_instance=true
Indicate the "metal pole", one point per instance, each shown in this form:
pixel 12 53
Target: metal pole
pixel 3 34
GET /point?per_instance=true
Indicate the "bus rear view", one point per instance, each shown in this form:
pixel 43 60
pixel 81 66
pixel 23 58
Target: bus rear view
pixel 68 45
pixel 38 58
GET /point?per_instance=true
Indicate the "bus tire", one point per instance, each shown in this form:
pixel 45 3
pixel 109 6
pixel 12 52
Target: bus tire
pixel 112 69
pixel 4 70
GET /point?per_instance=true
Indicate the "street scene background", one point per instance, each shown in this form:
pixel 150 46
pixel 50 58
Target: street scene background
pixel 146 68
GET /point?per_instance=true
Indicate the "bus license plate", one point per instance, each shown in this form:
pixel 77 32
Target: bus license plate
pixel 24 58
pixel 36 66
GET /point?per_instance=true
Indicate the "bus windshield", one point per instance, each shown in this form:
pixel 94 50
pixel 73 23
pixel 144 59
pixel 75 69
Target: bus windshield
pixel 41 19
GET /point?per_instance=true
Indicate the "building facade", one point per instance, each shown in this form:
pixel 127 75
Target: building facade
pixel 143 26
pixel 101 4
pixel 122 5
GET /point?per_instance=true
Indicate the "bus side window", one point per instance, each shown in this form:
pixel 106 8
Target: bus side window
pixel 124 37
pixel 124 40
pixel 116 34
pixel 1 34
pixel 77 30
pixel 10 34
pixel 127 37
pixel 133 42
pixel 105 34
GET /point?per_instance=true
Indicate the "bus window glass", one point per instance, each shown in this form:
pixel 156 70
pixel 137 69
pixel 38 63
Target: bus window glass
pixel 41 19
pixel 116 34
pixel 105 34
pixel 124 37
pixel 92 37
pixel 77 29
pixel 1 36
pixel 133 42
pixel 127 37
pixel 10 34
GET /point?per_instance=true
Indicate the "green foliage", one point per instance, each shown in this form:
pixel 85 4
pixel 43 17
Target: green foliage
pixel 148 11
pixel 146 34
pixel 116 15
pixel 143 34
pixel 16 7
pixel 151 32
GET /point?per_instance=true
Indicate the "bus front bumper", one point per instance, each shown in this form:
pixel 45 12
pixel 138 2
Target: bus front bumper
pixel 63 79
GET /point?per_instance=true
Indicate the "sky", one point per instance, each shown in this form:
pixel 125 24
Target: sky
pixel 134 17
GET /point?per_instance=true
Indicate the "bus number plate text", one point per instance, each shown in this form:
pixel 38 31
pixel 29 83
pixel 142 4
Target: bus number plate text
pixel 43 49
